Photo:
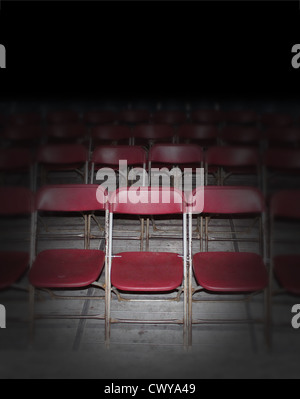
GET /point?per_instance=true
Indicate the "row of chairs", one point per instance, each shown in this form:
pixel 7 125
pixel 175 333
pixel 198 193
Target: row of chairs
pixel 135 116
pixel 147 134
pixel 147 272
pixel 219 162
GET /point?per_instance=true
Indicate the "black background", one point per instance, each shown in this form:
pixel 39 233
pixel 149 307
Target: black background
pixel 89 49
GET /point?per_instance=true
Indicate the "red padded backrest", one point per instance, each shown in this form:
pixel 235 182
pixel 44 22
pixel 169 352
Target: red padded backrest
pixel 241 116
pixel 133 116
pixel 281 158
pixel 24 119
pixel 283 134
pixel 112 154
pixel 147 201
pixel 276 119
pixel 286 204
pixel 207 116
pixel 19 133
pixel 16 200
pixel 62 116
pixel 155 131
pixel 15 158
pixel 62 153
pixel 169 116
pixel 197 132
pixel 99 117
pixel 110 132
pixel 66 131
pixel 70 198
pixel 232 156
pixel 229 200
pixel 176 153
pixel 241 134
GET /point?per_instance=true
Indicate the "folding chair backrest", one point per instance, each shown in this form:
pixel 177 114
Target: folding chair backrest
pixel 283 135
pixel 232 156
pixel 66 131
pixel 281 158
pixel 110 133
pixel 176 153
pixel 62 153
pixel 285 204
pixel 153 132
pixel 71 198
pixel 147 201
pixel 171 117
pixel 62 116
pixel 206 116
pixel 15 158
pixel 99 117
pixel 228 200
pixel 199 132
pixel 22 133
pixel 16 201
pixel 133 116
pixel 241 134
pixel 112 154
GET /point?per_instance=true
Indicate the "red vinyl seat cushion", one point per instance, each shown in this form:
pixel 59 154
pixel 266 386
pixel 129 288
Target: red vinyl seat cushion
pixel 147 271
pixel 66 268
pixel 12 266
pixel 287 271
pixel 230 271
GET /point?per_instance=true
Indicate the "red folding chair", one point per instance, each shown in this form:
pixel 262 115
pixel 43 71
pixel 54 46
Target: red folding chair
pixel 245 117
pixel 282 137
pixel 284 253
pixel 171 117
pixel 207 116
pixel 110 134
pixel 98 117
pixel 67 268
pixel 16 161
pixel 66 133
pixel 148 134
pixel 23 135
pixel 203 135
pixel 24 119
pixel 145 272
pixel 242 135
pixel 276 119
pixel 62 117
pixel 15 203
pixel 225 161
pixel 133 116
pixel 62 158
pixel 228 272
pixel 283 164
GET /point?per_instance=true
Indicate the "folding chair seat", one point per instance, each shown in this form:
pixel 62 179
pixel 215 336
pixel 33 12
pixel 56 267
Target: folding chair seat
pixel 219 272
pixel 148 134
pixel 203 135
pixel 133 116
pixel 16 161
pixel 66 133
pixel 146 272
pixel 62 157
pixel 98 117
pixel 68 267
pixel 62 117
pixel 242 135
pixel 276 119
pixel 171 117
pixel 282 137
pixel 283 164
pixel 207 116
pixel 224 161
pixel 284 206
pixel 245 117
pixel 15 258
pixel 110 134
